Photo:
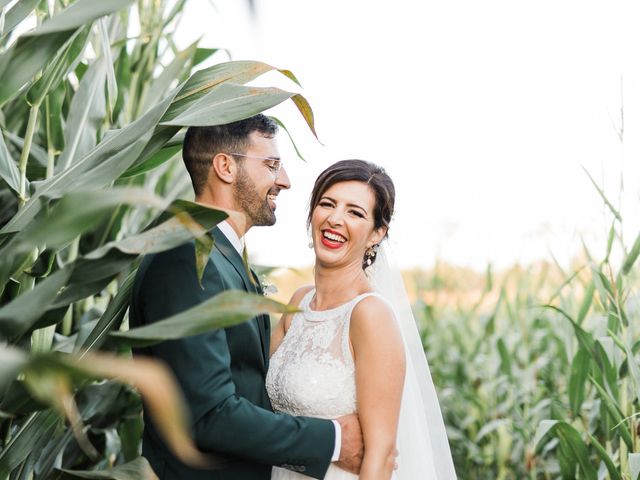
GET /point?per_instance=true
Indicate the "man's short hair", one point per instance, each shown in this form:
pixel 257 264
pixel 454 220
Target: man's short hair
pixel 201 144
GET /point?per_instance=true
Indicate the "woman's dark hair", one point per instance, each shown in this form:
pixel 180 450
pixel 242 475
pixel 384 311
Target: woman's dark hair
pixel 360 171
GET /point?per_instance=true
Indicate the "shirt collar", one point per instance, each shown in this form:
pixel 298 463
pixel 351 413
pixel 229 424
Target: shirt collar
pixel 228 231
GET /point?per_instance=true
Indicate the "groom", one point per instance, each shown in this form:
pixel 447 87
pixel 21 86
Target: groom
pixel 222 373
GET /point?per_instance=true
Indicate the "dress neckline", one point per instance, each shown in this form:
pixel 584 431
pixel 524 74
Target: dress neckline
pixel 320 315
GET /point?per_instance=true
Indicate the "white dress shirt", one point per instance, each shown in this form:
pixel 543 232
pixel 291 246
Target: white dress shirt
pixel 238 243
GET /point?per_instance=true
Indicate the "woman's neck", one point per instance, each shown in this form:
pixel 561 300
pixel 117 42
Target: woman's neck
pixel 337 285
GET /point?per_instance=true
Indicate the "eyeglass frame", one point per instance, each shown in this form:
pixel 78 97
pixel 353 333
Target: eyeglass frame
pixel 274 169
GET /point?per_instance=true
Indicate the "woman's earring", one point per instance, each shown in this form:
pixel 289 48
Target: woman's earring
pixel 370 255
pixel 310 244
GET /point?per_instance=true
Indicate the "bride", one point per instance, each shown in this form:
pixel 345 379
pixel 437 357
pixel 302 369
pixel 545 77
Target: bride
pixel 354 346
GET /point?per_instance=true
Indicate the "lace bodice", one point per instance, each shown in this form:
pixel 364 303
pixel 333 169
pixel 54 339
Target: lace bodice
pixel 312 371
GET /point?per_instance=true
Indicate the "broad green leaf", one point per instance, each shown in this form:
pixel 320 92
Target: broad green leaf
pixel 586 304
pixel 224 310
pixel 59 67
pixel 178 67
pixel 204 53
pixel 32 51
pixel 134 470
pixel 18 316
pixel 306 111
pixel 112 86
pixel 34 433
pixel 173 231
pixel 77 14
pixel 154 161
pixel 505 357
pixel 584 338
pixel 8 168
pixel 17 13
pixel 97 169
pixel 571 442
pixel 632 256
pixel 580 368
pixel 604 456
pixel 74 214
pixel 86 114
pixel 227 103
pixel 614 410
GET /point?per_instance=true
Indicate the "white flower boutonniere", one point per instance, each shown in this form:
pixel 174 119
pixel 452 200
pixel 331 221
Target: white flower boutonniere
pixel 267 287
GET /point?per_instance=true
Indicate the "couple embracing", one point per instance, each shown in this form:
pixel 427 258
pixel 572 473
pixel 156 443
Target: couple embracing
pixel 339 390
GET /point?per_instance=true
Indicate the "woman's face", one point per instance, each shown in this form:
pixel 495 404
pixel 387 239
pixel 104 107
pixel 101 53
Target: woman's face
pixel 342 224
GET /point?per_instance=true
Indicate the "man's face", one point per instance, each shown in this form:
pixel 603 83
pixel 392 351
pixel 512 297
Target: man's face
pixel 257 185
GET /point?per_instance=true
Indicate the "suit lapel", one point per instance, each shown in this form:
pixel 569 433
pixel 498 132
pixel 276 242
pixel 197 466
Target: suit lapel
pixel 233 257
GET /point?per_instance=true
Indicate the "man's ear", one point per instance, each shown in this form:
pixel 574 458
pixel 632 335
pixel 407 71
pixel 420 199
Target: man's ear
pixel 224 167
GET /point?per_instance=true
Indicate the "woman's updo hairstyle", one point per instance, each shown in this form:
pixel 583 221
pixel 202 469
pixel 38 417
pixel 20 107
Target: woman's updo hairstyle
pixel 360 171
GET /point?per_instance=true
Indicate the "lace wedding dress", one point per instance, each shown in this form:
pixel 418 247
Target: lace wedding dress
pixel 312 373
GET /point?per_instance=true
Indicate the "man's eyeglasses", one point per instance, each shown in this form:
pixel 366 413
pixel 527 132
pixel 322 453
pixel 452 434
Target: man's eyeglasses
pixel 273 164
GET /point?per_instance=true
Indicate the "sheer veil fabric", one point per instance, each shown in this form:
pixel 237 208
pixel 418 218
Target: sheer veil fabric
pixel 422 440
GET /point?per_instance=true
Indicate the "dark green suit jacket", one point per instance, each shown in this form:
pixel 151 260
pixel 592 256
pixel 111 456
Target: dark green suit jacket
pixel 222 374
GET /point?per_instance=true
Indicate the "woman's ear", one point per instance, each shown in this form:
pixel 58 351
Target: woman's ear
pixel 378 235
pixel 224 167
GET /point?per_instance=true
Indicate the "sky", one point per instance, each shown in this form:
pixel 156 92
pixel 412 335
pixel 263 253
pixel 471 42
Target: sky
pixel 485 114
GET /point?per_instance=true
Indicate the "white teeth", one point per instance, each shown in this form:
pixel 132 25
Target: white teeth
pixel 334 237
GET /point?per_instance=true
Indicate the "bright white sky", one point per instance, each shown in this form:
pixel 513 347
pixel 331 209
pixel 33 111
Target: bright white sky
pixel 483 113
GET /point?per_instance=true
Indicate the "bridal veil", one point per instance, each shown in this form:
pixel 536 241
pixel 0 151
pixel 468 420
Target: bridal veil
pixel 422 440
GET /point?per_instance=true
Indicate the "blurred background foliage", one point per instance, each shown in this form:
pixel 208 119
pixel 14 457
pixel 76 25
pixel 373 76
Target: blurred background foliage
pixel 536 367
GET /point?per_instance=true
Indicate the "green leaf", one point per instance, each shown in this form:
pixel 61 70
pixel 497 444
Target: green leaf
pixel 153 161
pixel 224 310
pixel 34 433
pixel 580 368
pixel 86 114
pixel 632 256
pixel 134 470
pixel 112 86
pixel 586 303
pixel 604 456
pixel 34 50
pixel 203 53
pixel 18 13
pixel 227 103
pixel 97 169
pixel 571 442
pixel 177 69
pixel 295 147
pixel 8 168
pixel 79 13
pixel 59 67
pixel 18 316
pixel 614 411
pixel 584 338
pixel 604 197
pixel 505 357
pixel 306 111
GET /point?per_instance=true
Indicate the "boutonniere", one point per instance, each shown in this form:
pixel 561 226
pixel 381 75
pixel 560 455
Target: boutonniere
pixel 267 287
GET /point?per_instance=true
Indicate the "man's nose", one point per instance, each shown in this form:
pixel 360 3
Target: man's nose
pixel 282 180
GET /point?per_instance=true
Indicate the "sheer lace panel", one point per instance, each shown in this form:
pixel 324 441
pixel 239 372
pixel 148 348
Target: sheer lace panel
pixel 312 372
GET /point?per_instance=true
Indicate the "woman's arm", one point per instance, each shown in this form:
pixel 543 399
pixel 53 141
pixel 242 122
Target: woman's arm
pixel 278 333
pixel 380 367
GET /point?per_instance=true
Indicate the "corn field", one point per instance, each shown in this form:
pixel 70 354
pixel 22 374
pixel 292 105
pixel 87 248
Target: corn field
pixel 537 369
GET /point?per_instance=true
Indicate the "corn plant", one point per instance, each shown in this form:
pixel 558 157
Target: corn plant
pixel 92 119
pixel 538 367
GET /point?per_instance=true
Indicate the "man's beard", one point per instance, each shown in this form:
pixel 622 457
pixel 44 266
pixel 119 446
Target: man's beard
pixel 249 202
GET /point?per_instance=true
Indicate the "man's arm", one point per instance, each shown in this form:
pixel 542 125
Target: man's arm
pixel 223 421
